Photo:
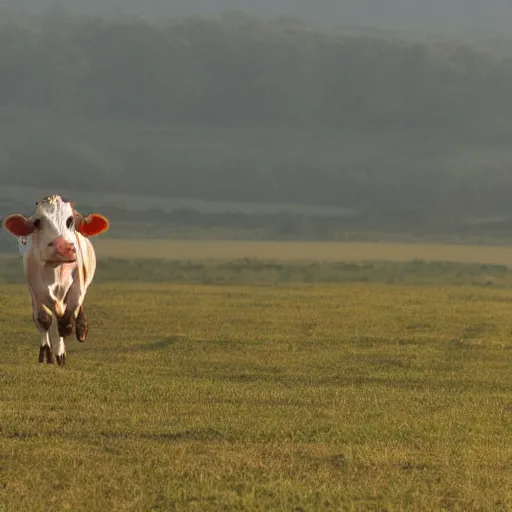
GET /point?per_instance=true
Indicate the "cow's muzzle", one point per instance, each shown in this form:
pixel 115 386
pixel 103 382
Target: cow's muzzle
pixel 63 251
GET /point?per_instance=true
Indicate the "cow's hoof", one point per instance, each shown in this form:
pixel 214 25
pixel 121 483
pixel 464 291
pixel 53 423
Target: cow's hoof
pixel 81 326
pixel 61 360
pixel 45 353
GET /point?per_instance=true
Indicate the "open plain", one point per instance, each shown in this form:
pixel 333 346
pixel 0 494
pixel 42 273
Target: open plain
pixel 292 396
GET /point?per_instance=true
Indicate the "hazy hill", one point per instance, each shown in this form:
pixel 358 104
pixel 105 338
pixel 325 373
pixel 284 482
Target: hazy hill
pixel 233 108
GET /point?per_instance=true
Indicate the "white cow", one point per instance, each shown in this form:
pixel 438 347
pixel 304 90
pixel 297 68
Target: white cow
pixel 59 266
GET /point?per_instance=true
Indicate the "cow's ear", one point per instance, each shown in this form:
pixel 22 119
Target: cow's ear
pixel 18 225
pixel 93 224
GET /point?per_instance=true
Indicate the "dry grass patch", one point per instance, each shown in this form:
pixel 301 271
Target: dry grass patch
pixel 301 251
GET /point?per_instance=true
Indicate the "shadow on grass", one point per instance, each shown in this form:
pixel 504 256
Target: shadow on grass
pixel 199 434
pixel 120 348
pixel 157 345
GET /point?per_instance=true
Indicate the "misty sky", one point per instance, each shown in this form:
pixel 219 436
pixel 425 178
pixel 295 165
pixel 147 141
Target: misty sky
pixel 452 16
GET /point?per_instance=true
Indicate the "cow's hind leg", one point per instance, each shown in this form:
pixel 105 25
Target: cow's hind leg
pixel 75 315
pixel 43 321
pixel 81 325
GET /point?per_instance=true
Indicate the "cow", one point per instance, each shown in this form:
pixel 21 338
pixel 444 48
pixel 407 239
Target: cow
pixel 59 266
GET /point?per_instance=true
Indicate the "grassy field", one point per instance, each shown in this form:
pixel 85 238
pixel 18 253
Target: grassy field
pixel 249 271
pixel 301 251
pixel 298 397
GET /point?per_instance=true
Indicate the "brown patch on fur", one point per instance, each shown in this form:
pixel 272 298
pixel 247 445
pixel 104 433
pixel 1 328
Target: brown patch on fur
pixel 44 317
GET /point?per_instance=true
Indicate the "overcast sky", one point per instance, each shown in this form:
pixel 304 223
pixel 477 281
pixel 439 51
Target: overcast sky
pixel 452 16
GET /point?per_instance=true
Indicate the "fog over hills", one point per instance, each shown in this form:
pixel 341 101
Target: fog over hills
pixel 249 108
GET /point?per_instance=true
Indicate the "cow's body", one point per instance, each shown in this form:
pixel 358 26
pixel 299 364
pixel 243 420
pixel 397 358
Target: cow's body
pixel 59 266
pixel 61 290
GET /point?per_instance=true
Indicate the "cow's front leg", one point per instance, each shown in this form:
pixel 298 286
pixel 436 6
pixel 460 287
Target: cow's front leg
pixel 45 350
pixel 65 323
pixel 43 320
pixel 57 343
pixel 76 319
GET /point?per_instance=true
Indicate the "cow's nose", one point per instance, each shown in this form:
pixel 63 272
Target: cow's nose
pixel 63 247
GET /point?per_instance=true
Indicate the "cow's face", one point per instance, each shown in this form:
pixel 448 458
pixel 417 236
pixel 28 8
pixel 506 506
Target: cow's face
pixel 54 230
pixel 53 227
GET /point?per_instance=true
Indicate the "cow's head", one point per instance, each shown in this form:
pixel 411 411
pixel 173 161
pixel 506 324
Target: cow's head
pixel 53 226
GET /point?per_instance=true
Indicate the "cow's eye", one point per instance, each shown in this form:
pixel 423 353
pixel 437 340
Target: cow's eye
pixel 69 222
pixel 37 223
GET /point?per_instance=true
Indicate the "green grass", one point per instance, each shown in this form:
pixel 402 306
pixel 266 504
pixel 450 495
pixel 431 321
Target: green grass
pixel 297 397
pixel 250 271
